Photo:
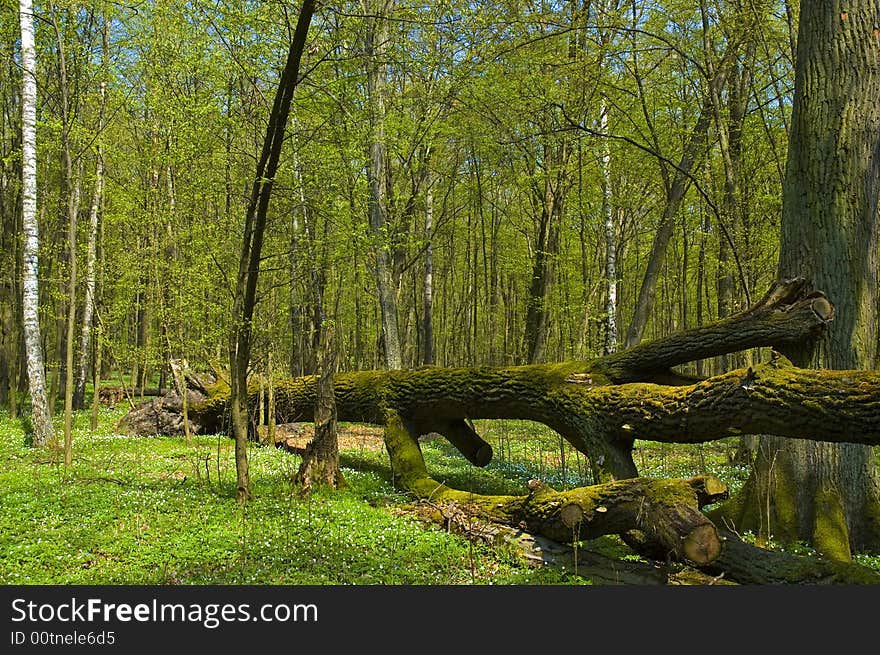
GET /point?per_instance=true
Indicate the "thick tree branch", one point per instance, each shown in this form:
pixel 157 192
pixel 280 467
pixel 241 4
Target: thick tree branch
pixel 587 403
pixel 786 314
pixel 668 510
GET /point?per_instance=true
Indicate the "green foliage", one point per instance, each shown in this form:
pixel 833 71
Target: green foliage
pixel 478 99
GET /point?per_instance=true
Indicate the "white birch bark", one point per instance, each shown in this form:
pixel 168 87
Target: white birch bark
pixel 610 240
pixel 42 423
pixel 91 265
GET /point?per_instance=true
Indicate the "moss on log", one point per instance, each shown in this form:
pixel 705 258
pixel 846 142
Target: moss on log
pixel 669 510
pixel 600 406
pixel 599 419
pixel 748 564
pixel 539 552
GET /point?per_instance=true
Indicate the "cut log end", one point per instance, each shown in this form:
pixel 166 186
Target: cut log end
pixel 709 489
pixel 823 308
pixel 702 545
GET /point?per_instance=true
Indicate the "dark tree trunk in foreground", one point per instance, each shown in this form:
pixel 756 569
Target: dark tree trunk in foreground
pixel 252 245
pixel 320 461
pixel 600 407
pixel 824 493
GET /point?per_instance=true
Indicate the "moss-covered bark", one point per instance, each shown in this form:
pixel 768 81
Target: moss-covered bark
pixel 829 494
pixel 748 564
pixel 597 417
pixel 600 407
pixel 668 510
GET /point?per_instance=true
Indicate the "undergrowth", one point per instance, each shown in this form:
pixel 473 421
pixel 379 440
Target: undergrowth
pixel 156 511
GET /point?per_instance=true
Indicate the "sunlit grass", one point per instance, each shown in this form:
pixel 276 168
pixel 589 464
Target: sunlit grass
pixel 156 511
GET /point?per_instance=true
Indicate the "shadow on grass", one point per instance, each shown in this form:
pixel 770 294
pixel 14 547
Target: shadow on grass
pixel 445 465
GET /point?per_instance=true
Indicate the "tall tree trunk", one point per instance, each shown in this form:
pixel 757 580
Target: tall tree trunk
pixel 428 319
pixel 555 186
pixel 735 206
pixel 828 494
pixel 143 319
pixel 252 244
pixel 299 216
pixel 171 254
pixel 9 251
pixel 85 340
pixel 694 149
pixel 320 461
pixel 552 192
pixel 72 192
pixel 96 378
pixel 69 342
pixel 610 240
pixel 377 173
pixel 42 423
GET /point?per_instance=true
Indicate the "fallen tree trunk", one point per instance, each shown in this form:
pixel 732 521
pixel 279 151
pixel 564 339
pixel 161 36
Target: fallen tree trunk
pixel 749 564
pixel 600 407
pixel 738 563
pixel 539 552
pixel 112 395
pixel 668 510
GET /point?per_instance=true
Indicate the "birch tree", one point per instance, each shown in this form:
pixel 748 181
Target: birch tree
pixel 42 422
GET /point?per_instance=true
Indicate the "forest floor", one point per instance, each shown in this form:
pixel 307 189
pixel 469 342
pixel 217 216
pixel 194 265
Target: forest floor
pixel 157 511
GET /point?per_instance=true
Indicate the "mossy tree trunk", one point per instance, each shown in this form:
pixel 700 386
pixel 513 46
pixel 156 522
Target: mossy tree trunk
pixel 601 407
pixel 320 461
pixel 824 493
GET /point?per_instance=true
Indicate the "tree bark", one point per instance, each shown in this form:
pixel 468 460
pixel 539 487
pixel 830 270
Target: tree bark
pixel 40 418
pixel 428 318
pixel 320 461
pixel 377 172
pixel 828 494
pixel 600 407
pixel 694 149
pixel 540 552
pixel 611 337
pixel 252 244
pixel 85 341
pixel 555 187
pixel 72 192
pixel 178 374
pixel 749 564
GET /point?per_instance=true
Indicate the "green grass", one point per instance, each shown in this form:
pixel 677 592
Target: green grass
pixel 156 511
